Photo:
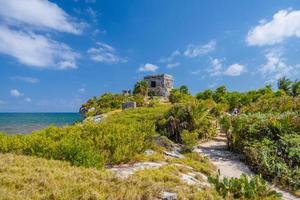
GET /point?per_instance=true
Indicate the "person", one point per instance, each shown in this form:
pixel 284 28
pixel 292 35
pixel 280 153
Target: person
pixel 235 112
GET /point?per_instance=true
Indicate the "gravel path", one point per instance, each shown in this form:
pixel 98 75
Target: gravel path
pixel 229 163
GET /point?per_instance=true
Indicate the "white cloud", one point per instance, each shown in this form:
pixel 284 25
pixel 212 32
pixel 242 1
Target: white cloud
pixel 148 68
pixel 39 14
pixel 81 90
pixel 235 70
pixel 36 50
pixel 216 67
pixel 193 51
pixel 26 79
pixel 104 53
pixel 285 24
pixel 172 65
pixel 170 58
pixel 16 93
pixel 276 66
pixel 28 100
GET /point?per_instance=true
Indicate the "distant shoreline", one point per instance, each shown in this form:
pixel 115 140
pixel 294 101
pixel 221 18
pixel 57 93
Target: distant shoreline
pixel 25 123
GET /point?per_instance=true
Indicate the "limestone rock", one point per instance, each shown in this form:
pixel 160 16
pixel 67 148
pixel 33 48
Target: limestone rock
pixel 168 196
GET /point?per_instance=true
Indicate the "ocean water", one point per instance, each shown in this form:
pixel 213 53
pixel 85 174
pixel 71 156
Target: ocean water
pixel 27 122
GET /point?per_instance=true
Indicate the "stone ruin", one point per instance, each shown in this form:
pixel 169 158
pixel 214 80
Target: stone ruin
pixel 159 84
pixel 129 104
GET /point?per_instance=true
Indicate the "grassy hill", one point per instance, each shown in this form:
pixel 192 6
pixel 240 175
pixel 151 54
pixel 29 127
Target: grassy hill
pixel 70 162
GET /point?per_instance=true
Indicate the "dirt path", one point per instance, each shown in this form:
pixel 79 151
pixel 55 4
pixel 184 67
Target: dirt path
pixel 229 163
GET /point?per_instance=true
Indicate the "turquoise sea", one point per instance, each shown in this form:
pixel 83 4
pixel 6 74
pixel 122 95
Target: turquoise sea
pixel 28 122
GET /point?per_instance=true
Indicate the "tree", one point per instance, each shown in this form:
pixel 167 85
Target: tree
pixel 184 89
pixel 233 99
pixel 206 94
pixel 219 94
pixel 141 88
pixel 296 88
pixel 284 84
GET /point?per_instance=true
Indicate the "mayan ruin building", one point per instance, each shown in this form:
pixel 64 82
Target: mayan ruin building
pixel 159 84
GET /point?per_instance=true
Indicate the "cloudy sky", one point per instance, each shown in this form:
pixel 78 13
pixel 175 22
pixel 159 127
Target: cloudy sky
pixel 55 54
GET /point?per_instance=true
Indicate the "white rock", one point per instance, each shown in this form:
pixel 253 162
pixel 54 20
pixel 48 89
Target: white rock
pixel 149 152
pixel 127 170
pixel 91 109
pixel 174 154
pixel 168 196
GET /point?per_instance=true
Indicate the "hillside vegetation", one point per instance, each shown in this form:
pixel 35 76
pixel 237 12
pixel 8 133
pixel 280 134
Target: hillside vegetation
pixel 266 132
pixel 31 178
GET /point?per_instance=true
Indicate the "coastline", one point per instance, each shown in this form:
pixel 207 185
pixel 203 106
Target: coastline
pixel 25 123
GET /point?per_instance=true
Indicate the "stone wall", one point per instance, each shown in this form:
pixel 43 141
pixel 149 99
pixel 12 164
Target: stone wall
pixel 160 84
pixel 129 104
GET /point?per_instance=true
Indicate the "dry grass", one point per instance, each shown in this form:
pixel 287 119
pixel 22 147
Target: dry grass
pixel 27 177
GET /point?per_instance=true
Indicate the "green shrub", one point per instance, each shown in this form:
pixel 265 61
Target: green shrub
pixel 271 144
pixel 115 140
pixel 191 117
pixel 189 139
pixel 243 188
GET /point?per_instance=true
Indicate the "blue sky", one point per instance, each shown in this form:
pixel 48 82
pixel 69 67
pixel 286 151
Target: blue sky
pixel 55 54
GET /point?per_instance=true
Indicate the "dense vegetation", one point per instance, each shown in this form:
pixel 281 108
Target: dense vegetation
pixel 243 188
pixel 183 122
pixel 108 102
pixel 271 144
pixel 267 132
pixel 118 139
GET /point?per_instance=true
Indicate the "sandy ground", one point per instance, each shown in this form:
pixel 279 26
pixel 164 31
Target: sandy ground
pixel 229 163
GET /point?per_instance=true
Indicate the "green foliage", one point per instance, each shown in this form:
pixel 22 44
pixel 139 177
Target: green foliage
pixel 296 89
pixel 271 144
pixel 206 94
pixel 219 94
pixel 267 104
pixel 117 139
pixel 141 88
pixel 190 117
pixel 105 103
pixel 153 103
pixel 109 102
pixel 189 139
pixel 243 188
pixel 285 84
pixel 181 95
pixel 184 89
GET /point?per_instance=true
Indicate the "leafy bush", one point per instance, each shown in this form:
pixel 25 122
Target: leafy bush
pixel 181 95
pixel 108 102
pixel 243 188
pixel 273 104
pixel 186 117
pixel 117 139
pixel 189 139
pixel 271 144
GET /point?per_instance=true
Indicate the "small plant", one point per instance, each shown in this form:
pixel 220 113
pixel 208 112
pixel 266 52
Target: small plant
pixel 243 187
pixel 189 139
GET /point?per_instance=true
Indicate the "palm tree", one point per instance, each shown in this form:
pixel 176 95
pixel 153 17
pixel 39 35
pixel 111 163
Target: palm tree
pixel 141 87
pixel 296 88
pixel 284 84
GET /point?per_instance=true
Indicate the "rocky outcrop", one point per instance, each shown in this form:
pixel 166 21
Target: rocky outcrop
pixel 126 170
pixel 96 118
